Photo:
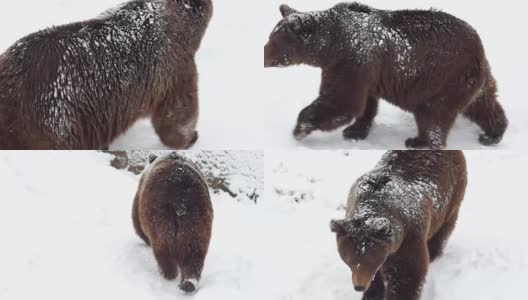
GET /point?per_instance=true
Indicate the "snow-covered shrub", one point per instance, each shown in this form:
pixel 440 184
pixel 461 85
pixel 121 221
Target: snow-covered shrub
pixel 238 173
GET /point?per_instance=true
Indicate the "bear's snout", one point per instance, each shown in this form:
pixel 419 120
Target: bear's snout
pixel 359 288
pixel 361 280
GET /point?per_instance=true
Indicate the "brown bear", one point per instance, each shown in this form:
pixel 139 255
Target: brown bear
pixel 399 217
pixel 81 85
pixel 425 62
pixel 172 212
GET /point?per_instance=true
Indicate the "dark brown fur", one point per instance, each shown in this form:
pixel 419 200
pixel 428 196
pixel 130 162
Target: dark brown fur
pixel 172 212
pixel 425 62
pixel 81 85
pixel 399 217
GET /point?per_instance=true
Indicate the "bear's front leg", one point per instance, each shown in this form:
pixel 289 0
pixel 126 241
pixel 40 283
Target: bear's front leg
pixel 320 115
pixel 376 290
pixel 166 264
pixel 361 127
pixel 406 274
pixel 176 115
pixel 343 95
pixel 434 124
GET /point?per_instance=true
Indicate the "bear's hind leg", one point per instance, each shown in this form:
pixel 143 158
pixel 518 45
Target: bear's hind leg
pixel 434 124
pixel 376 290
pixel 176 116
pixel 486 112
pixel 192 260
pixel 361 127
pixel 136 221
pixel 406 276
pixel 165 259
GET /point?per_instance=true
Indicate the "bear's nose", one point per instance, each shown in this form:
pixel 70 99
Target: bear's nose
pixel 359 288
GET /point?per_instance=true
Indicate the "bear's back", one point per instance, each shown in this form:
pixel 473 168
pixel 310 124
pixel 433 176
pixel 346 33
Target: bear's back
pixel 433 29
pixel 412 185
pixel 175 187
pixel 96 66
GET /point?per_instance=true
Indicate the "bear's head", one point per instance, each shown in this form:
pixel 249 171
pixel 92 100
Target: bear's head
pixel 189 19
pixel 299 38
pixel 198 7
pixel 364 245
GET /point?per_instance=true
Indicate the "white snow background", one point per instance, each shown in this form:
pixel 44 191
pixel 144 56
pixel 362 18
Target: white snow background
pixel 67 233
pixel 500 26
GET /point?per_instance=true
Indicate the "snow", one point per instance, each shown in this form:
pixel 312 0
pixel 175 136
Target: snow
pixel 241 170
pixel 289 90
pixel 67 232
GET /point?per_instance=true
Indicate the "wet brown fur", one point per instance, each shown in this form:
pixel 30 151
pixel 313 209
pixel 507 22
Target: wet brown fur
pixel 164 89
pixel 350 90
pixel 406 246
pixel 172 212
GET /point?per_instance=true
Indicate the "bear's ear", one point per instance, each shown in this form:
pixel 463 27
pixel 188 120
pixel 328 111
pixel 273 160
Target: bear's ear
pixel 338 226
pixel 174 155
pixel 379 227
pixel 286 10
pixel 152 158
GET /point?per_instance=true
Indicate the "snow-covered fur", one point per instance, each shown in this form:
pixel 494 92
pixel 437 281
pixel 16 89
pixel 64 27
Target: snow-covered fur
pixel 399 217
pixel 79 86
pixel 424 61
pixel 172 212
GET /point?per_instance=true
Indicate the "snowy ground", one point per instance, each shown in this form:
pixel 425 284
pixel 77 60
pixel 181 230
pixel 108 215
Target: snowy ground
pixel 229 62
pixel 67 234
pixel 290 90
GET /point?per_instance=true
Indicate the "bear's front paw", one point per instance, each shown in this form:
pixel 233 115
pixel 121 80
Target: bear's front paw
pixel 302 130
pixel 416 143
pixel 489 140
pixel 358 131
